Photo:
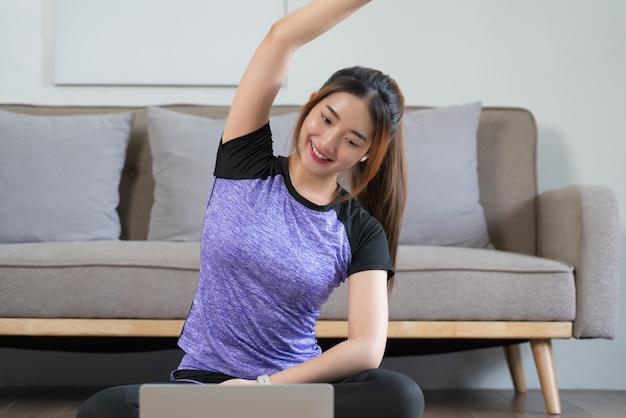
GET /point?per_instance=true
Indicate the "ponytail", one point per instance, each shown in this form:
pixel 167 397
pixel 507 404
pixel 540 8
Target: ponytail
pixel 384 196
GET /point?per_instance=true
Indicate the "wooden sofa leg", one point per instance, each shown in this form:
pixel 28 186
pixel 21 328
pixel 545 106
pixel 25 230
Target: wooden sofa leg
pixel 514 360
pixel 544 361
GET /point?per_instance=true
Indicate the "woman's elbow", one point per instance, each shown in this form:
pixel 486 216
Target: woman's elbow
pixel 371 354
pixel 371 362
pixel 280 35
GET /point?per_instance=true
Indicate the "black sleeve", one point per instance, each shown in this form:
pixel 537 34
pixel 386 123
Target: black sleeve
pixel 369 244
pixel 247 157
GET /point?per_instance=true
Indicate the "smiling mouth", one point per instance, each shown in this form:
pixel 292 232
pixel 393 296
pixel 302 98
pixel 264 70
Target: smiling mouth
pixel 319 157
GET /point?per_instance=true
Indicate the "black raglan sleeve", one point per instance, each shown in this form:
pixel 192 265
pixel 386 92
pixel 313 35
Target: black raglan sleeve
pixel 247 157
pixel 368 242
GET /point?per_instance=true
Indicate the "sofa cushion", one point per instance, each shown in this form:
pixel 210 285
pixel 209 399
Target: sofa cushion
pixel 60 176
pixel 98 279
pixel 467 284
pixel 443 202
pixel 148 279
pixel 184 148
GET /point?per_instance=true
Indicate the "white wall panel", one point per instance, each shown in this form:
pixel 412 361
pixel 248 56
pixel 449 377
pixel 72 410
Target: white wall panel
pixel 158 42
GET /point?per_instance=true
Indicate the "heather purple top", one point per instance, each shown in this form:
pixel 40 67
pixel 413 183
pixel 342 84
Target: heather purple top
pixel 269 261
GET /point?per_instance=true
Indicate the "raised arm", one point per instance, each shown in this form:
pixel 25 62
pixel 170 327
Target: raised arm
pixel 268 67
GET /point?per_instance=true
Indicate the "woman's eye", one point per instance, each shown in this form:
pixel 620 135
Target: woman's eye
pixel 325 119
pixel 351 142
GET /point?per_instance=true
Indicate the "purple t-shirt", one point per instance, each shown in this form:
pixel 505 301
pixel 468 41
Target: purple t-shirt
pixel 269 261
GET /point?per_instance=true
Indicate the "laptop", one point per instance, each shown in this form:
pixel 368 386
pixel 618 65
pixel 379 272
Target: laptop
pixel 311 400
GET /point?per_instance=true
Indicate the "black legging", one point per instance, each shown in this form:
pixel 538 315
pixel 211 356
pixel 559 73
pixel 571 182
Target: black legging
pixel 369 394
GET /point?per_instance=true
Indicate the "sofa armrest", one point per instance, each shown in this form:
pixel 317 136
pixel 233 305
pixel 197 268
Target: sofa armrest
pixel 579 225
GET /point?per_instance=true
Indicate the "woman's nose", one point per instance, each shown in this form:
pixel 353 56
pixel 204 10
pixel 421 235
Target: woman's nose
pixel 330 140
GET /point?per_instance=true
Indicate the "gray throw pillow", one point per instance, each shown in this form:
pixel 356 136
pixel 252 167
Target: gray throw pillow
pixel 59 176
pixel 183 149
pixel 443 203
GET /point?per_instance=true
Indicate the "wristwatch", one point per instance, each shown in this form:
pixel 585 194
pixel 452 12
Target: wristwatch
pixel 264 380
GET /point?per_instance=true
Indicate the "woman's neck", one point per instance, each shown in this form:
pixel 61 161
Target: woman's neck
pixel 320 190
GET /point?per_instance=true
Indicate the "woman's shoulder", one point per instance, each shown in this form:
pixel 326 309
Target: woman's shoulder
pixel 357 220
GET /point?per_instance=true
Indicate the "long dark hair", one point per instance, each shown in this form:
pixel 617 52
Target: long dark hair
pixel 378 183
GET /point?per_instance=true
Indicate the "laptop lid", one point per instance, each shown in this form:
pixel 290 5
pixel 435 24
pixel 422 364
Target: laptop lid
pixel 219 401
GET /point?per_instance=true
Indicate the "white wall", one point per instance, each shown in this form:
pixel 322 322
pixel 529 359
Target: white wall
pixel 563 59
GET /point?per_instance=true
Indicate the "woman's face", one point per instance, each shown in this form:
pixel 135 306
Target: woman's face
pixel 336 134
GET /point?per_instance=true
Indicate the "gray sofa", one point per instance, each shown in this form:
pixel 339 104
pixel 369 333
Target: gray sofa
pixel 550 269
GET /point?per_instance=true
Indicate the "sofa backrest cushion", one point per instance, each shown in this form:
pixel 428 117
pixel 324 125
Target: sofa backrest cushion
pixel 443 203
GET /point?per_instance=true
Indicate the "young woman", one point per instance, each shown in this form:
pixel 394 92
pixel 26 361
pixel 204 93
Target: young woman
pixel 280 234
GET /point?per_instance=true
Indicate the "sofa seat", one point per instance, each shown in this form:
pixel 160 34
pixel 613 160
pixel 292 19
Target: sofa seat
pixel 98 279
pixel 447 283
pixel 157 280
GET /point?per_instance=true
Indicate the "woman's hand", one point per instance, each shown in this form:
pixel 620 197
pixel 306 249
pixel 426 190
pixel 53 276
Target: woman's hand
pixel 239 382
